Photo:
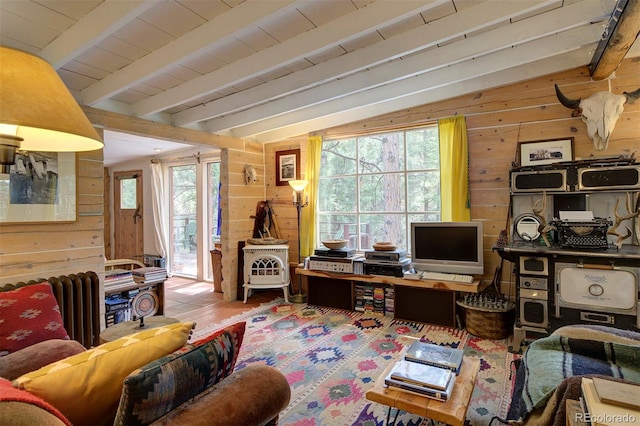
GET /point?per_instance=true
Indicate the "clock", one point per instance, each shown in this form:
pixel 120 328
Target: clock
pixel 526 227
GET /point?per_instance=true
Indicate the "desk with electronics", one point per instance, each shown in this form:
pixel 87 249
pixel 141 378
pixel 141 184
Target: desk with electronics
pixel 384 280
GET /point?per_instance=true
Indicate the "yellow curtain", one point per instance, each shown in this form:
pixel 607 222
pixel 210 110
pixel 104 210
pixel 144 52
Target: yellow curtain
pixel 308 219
pixel 454 169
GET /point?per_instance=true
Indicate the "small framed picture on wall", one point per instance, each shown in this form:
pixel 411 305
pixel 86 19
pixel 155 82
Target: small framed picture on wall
pixel 537 153
pixel 41 188
pixel 287 166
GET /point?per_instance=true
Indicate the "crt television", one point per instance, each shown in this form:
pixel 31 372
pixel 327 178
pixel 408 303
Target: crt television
pixel 452 247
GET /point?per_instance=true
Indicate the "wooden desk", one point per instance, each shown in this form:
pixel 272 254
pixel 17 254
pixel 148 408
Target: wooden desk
pixel 427 301
pixel 474 287
pixel 451 412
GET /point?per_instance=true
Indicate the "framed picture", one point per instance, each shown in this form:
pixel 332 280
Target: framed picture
pixel 41 188
pixel 545 152
pixel 287 166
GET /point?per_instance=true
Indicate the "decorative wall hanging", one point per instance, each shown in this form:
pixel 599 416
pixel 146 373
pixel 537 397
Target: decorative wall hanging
pixel 538 153
pixel 41 187
pixel 287 166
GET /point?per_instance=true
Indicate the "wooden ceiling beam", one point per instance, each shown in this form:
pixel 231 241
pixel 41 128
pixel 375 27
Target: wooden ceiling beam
pixel 622 30
pixel 141 127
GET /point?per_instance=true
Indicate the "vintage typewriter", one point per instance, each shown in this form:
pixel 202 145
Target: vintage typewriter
pixel 582 232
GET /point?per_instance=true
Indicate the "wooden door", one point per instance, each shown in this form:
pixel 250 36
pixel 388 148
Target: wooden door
pixel 128 226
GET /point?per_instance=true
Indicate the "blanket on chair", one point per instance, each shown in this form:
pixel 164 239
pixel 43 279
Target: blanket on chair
pixel 548 361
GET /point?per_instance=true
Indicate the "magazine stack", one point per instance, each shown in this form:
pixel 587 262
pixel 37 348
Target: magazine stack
pixel 149 274
pixel 118 279
pixel 426 369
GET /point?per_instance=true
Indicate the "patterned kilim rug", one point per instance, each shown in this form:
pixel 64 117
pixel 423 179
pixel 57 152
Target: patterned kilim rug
pixel 331 357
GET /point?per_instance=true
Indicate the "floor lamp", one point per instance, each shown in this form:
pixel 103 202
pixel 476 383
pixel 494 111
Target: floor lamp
pixel 299 202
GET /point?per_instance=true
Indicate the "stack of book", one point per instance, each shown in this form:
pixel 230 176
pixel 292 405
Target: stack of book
pixel 607 402
pixel 389 298
pixel 370 298
pixel 117 309
pixel 118 279
pixel 149 274
pixel 426 369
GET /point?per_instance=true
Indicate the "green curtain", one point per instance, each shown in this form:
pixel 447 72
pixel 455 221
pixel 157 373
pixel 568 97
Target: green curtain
pixel 308 219
pixel 454 169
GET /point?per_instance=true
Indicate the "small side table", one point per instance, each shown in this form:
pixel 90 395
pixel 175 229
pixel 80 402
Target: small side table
pixel 129 327
pixel 451 412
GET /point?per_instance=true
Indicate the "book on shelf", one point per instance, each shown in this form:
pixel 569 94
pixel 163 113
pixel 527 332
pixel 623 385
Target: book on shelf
pixel 432 354
pixel 440 395
pixel 600 413
pixel 422 375
pixel 149 273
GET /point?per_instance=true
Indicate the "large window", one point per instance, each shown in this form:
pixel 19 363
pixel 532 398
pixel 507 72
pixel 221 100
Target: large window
pixel 373 186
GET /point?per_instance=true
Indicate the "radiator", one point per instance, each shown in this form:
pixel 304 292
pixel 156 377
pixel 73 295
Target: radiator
pixel 79 298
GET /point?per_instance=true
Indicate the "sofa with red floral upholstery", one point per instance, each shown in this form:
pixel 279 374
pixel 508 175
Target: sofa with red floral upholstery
pixel 155 376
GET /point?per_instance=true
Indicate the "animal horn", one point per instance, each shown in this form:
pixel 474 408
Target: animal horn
pixel 569 103
pixel 632 96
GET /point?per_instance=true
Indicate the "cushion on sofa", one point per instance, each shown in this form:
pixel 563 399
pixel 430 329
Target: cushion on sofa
pixel 162 385
pixel 86 387
pixel 29 315
pixel 18 407
pixel 37 356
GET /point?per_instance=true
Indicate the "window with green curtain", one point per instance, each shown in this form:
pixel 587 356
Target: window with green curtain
pixel 371 187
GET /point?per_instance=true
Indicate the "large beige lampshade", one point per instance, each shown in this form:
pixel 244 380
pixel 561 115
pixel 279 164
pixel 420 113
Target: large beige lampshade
pixel 36 106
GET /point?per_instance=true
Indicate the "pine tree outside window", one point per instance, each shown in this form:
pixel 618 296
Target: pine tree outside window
pixel 373 186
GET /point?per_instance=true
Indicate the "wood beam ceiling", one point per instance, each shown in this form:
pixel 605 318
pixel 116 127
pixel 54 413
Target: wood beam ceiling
pixel 622 31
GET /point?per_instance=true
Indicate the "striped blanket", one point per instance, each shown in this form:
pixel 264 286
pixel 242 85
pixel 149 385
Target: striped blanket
pixel 548 361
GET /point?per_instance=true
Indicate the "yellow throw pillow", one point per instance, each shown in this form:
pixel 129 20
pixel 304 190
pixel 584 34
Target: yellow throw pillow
pixel 86 387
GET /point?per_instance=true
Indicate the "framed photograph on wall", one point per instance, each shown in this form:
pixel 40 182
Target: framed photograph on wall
pixel 41 188
pixel 537 153
pixel 287 166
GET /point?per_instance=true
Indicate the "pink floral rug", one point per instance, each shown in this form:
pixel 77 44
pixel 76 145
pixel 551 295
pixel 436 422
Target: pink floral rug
pixel 331 357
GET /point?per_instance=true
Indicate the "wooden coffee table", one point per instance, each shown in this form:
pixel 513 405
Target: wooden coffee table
pixel 451 412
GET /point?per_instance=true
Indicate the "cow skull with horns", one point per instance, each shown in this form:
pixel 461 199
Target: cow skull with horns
pixel 600 112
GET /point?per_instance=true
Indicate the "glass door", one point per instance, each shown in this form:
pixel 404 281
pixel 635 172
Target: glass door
pixel 195 217
pixel 212 213
pixel 184 225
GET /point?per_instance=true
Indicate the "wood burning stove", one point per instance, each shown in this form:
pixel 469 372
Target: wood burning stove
pixel 266 266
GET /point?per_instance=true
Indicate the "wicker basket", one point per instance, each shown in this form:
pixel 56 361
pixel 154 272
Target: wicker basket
pixel 489 323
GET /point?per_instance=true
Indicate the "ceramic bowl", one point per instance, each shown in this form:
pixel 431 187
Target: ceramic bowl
pixel 335 244
pixel 383 246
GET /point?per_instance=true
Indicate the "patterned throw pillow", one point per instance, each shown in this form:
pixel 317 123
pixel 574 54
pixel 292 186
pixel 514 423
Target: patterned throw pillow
pixel 162 385
pixel 29 315
pixel 86 387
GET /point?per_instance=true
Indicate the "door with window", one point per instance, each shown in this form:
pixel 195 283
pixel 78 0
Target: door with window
pixel 128 226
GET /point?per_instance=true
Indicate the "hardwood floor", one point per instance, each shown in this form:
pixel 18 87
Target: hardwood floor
pixel 190 300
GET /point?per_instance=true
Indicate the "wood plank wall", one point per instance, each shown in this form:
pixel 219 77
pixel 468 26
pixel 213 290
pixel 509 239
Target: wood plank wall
pixel 281 196
pixel 42 250
pixel 239 201
pixel 497 120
